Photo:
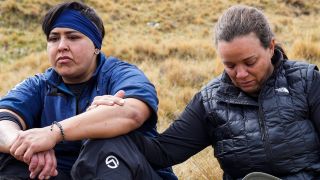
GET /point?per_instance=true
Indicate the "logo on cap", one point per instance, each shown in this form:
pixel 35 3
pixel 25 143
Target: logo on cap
pixel 112 162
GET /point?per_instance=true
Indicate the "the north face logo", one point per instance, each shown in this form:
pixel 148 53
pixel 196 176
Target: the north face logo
pixel 282 90
pixel 112 162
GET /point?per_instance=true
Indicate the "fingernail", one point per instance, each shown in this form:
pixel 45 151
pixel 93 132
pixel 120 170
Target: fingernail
pixel 48 177
pixel 122 101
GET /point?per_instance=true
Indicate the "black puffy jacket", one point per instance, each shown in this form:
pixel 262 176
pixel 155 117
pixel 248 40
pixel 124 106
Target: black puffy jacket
pixel 273 133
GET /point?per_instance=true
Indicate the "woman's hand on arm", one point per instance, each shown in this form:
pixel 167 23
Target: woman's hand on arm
pixel 105 121
pixel 108 100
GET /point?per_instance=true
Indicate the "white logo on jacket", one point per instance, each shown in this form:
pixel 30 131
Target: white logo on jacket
pixel 112 162
pixel 283 90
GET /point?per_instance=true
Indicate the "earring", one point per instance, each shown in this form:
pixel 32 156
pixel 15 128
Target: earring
pixel 96 51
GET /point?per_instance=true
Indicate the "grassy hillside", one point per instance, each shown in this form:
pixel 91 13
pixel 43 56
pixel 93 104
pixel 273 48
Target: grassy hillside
pixel 170 40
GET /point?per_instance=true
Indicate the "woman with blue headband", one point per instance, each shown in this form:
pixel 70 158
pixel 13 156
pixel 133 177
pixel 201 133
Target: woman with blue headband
pixel 45 130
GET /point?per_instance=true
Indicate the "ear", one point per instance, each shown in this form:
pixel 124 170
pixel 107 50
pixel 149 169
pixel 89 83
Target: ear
pixel 96 51
pixel 272 45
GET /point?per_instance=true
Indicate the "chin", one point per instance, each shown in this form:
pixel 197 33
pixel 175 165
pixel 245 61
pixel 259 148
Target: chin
pixel 251 91
pixel 64 73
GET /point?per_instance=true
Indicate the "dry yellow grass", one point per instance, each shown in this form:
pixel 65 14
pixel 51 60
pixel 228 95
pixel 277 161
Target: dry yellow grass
pixel 306 49
pixel 171 41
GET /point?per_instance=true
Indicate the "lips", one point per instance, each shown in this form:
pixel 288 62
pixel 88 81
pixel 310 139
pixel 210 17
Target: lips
pixel 64 59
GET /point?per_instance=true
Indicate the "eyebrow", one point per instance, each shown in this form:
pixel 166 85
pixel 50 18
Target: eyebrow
pixel 249 58
pixel 243 60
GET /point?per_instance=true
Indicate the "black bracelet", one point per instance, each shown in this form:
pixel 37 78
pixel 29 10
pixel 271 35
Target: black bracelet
pixel 60 127
pixel 10 117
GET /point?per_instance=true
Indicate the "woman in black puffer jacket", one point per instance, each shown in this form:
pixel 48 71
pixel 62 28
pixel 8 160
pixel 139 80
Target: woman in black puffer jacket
pixel 262 114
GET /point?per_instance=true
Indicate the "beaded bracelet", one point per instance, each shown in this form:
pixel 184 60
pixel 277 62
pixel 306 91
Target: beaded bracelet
pixel 60 127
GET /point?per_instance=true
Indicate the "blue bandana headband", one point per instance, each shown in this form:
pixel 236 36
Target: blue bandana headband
pixel 75 20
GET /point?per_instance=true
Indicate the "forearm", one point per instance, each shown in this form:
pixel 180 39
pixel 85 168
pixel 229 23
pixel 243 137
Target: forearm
pixel 149 147
pixel 8 133
pixel 106 121
pixel 185 137
pixel 169 150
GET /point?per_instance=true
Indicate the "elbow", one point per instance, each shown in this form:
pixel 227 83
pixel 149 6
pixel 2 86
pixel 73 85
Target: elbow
pixel 136 118
pixel 137 112
pixel 138 115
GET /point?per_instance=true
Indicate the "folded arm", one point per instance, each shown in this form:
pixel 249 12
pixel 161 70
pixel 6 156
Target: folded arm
pixel 100 122
pixel 9 131
pixel 106 121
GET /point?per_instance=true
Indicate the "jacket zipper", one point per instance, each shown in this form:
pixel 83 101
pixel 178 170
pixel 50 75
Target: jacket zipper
pixel 264 137
pixel 261 124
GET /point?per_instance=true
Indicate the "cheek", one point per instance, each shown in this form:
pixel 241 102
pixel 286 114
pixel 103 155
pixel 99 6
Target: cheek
pixel 51 54
pixel 266 67
pixel 231 73
pixel 259 73
pixel 83 51
pixel 81 54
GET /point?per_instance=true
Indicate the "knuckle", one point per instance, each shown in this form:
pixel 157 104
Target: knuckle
pixel 96 98
pixel 41 164
pixel 34 159
pixel 18 157
pixel 25 159
pixel 49 163
pixel 32 145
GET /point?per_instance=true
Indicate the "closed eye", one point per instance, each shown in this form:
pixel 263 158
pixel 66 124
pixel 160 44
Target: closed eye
pixel 73 37
pixel 251 62
pixel 53 38
pixel 229 65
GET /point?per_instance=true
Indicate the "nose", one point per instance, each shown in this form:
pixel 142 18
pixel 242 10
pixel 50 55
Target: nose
pixel 241 72
pixel 63 45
